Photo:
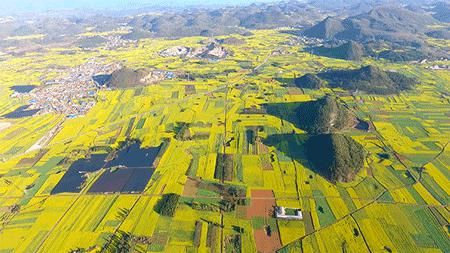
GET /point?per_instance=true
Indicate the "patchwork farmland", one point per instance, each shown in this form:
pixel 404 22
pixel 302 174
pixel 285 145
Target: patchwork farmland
pixel 198 164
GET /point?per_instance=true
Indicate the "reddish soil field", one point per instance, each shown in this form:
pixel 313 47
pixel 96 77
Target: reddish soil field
pixel 265 243
pixel 261 204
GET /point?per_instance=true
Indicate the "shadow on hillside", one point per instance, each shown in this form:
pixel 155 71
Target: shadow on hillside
pixel 291 145
pixel 294 147
pixel 286 81
pixel 296 32
pixel 285 111
pixel 324 52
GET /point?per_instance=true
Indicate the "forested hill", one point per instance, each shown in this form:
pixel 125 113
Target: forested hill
pixel 369 78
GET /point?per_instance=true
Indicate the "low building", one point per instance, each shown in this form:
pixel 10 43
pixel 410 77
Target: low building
pixel 288 213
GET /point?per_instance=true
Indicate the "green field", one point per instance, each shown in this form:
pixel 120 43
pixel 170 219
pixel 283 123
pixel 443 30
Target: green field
pixel 388 206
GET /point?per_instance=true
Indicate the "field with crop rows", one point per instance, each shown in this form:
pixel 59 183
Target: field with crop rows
pixel 239 155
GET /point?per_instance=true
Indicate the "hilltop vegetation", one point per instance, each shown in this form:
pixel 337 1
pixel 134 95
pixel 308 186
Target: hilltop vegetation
pixel 91 42
pixel 440 33
pixel 441 11
pixel 402 55
pixel 370 79
pixel 351 50
pixel 225 20
pixel 199 160
pixel 324 115
pixel 337 157
pixel 126 77
pixel 325 29
pixel 387 27
pixel 309 81
pixel 393 24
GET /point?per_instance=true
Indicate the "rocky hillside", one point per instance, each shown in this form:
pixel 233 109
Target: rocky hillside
pixel 210 51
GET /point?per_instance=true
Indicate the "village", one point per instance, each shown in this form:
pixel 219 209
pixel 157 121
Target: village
pixel 73 94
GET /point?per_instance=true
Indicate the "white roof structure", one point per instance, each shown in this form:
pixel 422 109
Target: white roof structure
pixel 280 212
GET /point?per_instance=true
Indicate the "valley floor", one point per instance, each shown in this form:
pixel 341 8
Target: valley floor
pixel 230 151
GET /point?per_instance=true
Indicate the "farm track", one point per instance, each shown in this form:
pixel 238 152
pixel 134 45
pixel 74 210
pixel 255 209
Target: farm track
pixel 372 201
pixel 434 158
pixel 44 141
pixel 377 199
pixel 225 139
pixel 395 211
pixel 38 248
pixel 219 198
pixel 408 169
pixel 142 194
pixel 5 125
pixel 163 103
pixel 227 87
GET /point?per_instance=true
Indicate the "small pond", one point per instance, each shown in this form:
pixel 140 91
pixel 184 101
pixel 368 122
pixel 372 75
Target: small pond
pixel 22 88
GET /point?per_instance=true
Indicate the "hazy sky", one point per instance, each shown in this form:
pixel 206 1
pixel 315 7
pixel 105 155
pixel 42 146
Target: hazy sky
pixel 43 5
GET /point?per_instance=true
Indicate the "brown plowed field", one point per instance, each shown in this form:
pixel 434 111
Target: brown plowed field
pixel 261 205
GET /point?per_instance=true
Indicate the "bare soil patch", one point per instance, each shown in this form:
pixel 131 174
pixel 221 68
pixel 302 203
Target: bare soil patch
pixel 265 243
pixel 4 125
pixel 262 204
pixel 190 187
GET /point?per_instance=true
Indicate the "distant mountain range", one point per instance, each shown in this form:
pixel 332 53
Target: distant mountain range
pixel 226 20
pixel 166 23
pixel 441 11
pixel 393 24
pixel 393 32
pixel 362 22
